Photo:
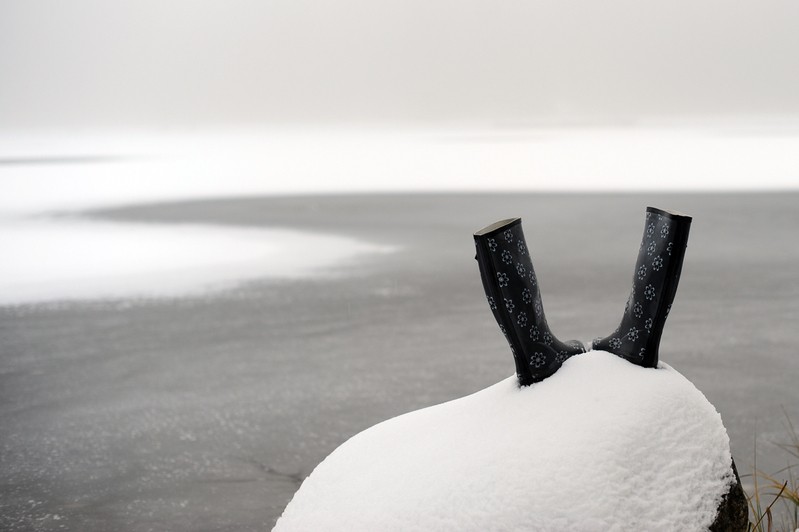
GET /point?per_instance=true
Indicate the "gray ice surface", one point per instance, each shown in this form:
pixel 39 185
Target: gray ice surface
pixel 206 413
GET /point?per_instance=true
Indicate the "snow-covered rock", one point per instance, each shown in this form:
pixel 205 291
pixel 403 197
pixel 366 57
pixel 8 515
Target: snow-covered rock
pixel 601 445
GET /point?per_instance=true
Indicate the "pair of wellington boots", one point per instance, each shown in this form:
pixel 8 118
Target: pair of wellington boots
pixel 514 296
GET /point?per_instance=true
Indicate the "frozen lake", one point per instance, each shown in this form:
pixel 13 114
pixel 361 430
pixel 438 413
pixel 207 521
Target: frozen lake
pixel 205 412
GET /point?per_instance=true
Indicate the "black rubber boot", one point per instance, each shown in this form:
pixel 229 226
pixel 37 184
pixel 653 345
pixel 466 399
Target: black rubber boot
pixel 657 273
pixel 512 290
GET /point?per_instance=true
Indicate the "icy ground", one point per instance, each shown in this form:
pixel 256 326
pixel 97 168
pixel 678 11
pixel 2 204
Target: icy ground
pixel 602 445
pixel 189 414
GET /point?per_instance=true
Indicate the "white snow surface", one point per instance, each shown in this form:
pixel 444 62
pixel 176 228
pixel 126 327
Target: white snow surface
pixel 602 445
pixel 142 167
pixel 70 259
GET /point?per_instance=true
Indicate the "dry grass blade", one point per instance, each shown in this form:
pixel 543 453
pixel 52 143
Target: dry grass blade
pixel 767 513
pixel 780 489
pixel 791 448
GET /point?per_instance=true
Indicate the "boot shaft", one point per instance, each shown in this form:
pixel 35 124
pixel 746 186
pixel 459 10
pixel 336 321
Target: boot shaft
pixel 655 279
pixel 513 294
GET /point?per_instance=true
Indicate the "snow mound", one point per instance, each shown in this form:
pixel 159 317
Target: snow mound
pixel 601 445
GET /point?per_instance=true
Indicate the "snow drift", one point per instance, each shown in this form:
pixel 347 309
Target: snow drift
pixel 601 445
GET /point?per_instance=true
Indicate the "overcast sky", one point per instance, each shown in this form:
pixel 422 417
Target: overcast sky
pixel 484 62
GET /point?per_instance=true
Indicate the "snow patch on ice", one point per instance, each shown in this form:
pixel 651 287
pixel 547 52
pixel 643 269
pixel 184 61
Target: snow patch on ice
pixel 68 259
pixel 601 445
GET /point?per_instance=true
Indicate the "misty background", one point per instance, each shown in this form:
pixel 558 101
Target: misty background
pixel 188 63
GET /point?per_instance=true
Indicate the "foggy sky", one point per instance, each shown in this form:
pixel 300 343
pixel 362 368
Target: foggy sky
pixel 496 62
